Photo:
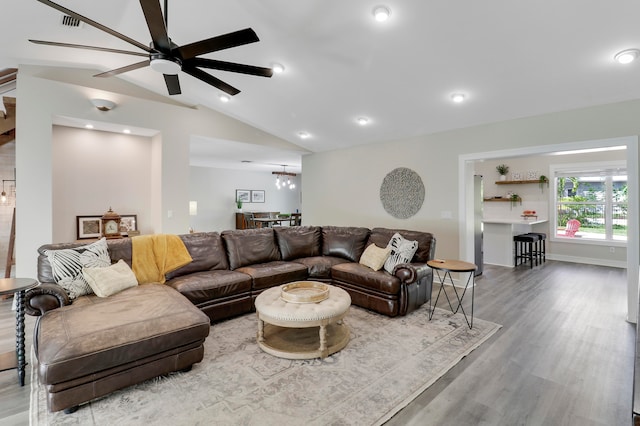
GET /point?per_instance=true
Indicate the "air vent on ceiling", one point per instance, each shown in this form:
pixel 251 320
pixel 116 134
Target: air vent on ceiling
pixel 70 22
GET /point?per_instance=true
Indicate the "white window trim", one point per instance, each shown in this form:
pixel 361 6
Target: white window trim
pixel 553 199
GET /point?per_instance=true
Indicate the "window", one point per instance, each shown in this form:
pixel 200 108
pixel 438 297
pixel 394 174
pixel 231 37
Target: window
pixel 591 202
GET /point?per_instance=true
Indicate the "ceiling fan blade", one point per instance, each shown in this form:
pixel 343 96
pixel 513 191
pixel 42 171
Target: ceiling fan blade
pixel 124 69
pixel 208 78
pixel 96 25
pixel 156 24
pixel 213 44
pixel 82 46
pixel 230 66
pixel 173 84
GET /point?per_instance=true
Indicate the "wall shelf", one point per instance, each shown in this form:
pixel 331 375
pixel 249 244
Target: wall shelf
pixel 503 199
pixel 516 182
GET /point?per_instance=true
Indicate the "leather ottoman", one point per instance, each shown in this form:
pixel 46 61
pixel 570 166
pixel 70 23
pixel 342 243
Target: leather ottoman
pixel 98 345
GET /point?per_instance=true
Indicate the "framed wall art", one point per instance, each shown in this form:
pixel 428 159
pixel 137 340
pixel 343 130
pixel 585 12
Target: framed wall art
pixel 243 195
pixel 128 223
pixel 257 196
pixel 88 227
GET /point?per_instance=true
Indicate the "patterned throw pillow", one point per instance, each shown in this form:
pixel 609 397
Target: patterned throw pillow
pixel 67 264
pixel 402 251
pixel 374 257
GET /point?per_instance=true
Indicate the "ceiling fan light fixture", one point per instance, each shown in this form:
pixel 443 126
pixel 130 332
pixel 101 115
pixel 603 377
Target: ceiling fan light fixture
pixel 165 65
pixel 381 13
pixel 627 56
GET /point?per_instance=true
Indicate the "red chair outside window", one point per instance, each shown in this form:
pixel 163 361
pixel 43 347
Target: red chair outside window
pixel 572 227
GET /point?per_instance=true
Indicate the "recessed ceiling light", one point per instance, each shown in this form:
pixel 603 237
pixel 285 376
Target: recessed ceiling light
pixel 127 131
pixel 458 97
pixel 626 56
pixel 224 98
pixel 362 121
pixel 277 68
pixel 303 135
pixel 88 126
pixel 381 13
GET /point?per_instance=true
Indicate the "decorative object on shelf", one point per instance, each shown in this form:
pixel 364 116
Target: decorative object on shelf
pixel 257 196
pixel 543 179
pixel 402 193
pixel 529 214
pixel 281 183
pixel 502 169
pixel 128 225
pixel 239 206
pixel 111 224
pixel 88 227
pixel 515 199
pixel 532 175
pixel 516 176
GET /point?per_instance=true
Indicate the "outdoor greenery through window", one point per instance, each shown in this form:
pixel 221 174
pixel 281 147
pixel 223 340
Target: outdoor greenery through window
pixel 591 203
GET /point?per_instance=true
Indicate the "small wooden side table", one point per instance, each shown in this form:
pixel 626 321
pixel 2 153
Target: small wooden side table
pixel 16 359
pixel 447 267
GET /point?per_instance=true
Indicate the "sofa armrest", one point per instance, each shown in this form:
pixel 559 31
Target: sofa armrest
pixel 44 298
pixel 411 272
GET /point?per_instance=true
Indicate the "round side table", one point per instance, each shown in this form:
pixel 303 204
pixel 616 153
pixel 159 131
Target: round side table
pixel 16 359
pixel 447 267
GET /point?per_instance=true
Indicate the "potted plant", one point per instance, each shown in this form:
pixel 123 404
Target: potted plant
pixel 543 179
pixel 239 206
pixel 503 169
pixel 513 199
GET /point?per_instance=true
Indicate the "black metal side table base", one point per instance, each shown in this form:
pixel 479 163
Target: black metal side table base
pixel 448 266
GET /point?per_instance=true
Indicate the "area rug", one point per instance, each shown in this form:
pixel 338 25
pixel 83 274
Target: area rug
pixel 387 363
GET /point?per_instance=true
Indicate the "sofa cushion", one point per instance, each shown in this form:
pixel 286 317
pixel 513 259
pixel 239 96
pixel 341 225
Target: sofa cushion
pixel 106 281
pixel 265 275
pixel 402 251
pixel 426 241
pixel 132 325
pixel 320 266
pixel 345 242
pixel 298 241
pixel 67 264
pixel 207 252
pixel 366 278
pixel 374 257
pixel 250 246
pixel 206 286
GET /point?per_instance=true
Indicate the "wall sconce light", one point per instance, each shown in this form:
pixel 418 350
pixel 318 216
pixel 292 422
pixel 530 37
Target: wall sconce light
pixel 193 208
pixel 103 104
pixel 281 183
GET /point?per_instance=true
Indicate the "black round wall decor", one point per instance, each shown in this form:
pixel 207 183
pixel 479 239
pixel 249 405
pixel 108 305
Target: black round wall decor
pixel 402 193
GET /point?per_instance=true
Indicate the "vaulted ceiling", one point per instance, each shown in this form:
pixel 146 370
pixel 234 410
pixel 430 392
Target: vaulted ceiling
pixel 509 58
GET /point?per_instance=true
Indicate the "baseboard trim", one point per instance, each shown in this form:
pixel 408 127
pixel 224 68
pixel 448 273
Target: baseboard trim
pixel 588 260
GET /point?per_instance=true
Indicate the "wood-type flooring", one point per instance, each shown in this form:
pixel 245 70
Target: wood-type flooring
pixel 563 357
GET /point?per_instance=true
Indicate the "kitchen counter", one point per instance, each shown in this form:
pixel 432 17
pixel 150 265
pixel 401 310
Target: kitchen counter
pixel 498 237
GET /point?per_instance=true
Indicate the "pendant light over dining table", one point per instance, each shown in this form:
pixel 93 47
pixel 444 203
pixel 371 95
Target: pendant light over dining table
pixel 283 178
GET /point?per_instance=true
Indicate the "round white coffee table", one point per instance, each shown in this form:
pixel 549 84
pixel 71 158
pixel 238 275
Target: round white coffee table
pixel 288 330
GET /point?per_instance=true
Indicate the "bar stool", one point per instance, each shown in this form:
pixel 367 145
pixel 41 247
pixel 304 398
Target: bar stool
pixel 523 249
pixel 540 246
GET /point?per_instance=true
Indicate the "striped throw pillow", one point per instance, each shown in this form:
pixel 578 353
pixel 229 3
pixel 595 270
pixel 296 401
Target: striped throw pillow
pixel 67 264
pixel 402 251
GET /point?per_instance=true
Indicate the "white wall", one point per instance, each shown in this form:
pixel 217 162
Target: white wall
pixel 95 170
pixel 46 93
pixel 214 190
pixel 356 174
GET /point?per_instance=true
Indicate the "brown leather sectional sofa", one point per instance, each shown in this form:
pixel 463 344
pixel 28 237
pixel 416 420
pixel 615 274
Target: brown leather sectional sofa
pixel 94 345
pixel 231 268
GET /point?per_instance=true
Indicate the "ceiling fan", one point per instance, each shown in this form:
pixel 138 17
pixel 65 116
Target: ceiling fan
pixel 165 56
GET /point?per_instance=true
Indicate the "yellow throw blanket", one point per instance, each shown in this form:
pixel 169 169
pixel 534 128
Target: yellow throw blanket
pixel 152 256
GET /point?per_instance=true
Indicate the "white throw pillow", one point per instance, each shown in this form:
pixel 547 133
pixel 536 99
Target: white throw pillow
pixel 374 257
pixel 67 264
pixel 402 251
pixel 110 280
